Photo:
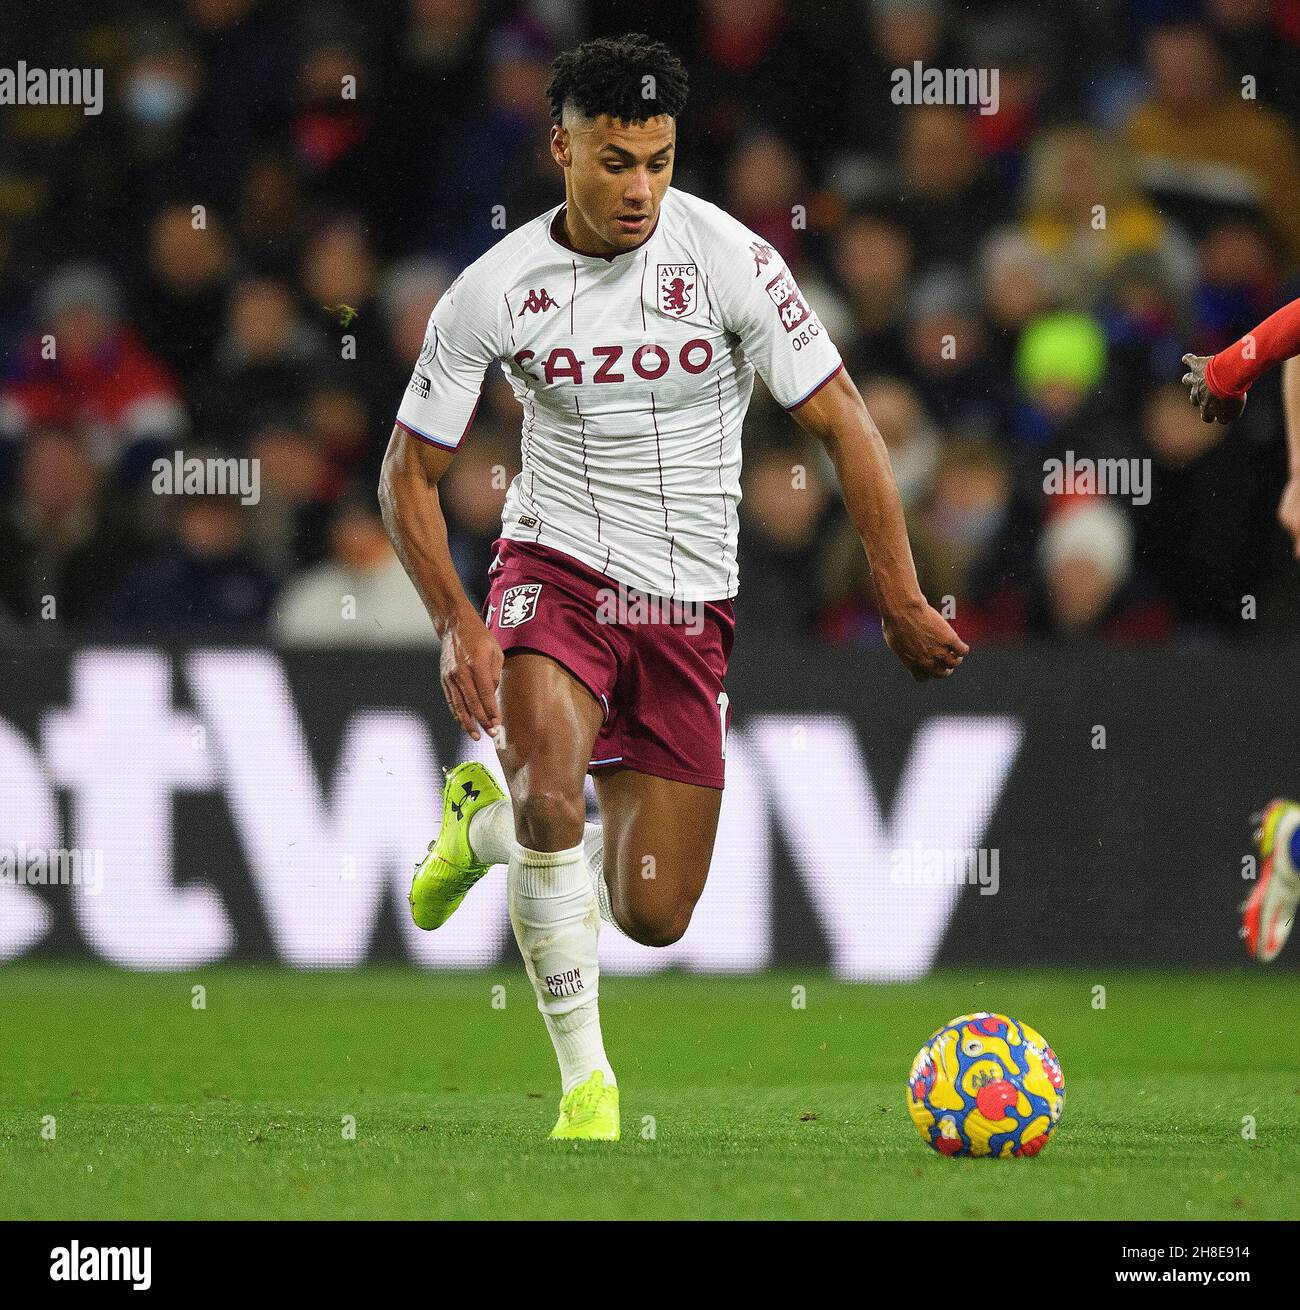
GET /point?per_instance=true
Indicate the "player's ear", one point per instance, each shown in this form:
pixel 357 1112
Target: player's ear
pixel 561 148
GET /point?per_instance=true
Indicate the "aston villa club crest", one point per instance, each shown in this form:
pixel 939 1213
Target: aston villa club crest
pixel 677 284
pixel 519 604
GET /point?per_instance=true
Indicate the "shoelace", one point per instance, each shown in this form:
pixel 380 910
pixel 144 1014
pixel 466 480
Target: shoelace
pixel 461 884
pixel 466 881
pixel 585 1098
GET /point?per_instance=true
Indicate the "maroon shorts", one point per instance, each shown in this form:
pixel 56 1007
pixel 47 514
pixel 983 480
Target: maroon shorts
pixel 655 667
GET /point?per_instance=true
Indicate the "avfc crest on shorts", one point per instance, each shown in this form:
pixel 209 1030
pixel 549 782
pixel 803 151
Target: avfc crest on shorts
pixel 677 284
pixel 519 604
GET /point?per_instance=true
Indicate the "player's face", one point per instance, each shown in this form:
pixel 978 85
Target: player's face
pixel 616 174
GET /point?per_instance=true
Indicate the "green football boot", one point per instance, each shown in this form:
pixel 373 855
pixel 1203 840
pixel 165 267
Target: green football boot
pixel 449 870
pixel 589 1113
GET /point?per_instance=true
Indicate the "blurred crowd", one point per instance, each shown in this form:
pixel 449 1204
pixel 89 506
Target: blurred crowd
pixel 237 258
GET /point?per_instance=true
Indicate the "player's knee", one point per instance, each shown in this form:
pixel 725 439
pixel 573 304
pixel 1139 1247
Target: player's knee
pixel 655 927
pixel 546 819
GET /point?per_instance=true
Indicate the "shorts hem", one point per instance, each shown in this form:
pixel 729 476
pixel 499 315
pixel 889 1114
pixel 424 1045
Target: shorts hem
pixel 666 771
pixel 524 648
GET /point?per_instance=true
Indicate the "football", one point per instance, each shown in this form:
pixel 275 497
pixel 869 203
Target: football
pixel 986 1085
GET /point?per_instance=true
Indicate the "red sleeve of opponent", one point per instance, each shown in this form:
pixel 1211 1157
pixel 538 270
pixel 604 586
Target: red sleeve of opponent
pixel 1231 372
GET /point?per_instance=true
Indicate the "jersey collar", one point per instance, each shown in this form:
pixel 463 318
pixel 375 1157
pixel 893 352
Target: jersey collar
pixel 555 231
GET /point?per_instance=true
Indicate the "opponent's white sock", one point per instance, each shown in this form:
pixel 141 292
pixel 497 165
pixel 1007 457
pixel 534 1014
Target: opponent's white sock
pixel 492 832
pixel 557 924
pixel 492 838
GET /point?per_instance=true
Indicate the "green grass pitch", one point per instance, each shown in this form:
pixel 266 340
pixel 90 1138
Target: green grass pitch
pixel 736 1104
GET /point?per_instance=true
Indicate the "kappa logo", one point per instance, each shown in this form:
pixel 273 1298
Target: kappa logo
pixel 538 302
pixel 762 253
pixel 789 303
pixel 677 289
pixel 519 604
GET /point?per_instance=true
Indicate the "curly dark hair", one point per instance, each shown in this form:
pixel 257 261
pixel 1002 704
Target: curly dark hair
pixel 630 78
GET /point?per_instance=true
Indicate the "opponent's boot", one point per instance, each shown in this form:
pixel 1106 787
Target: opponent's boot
pixel 1270 909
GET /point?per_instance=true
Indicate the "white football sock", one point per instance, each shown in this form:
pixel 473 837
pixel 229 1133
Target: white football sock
pixel 492 832
pixel 557 924
pixel 593 842
pixel 492 837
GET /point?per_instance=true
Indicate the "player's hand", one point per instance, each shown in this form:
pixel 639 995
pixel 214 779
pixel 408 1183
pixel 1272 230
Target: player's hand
pixel 1214 409
pixel 1288 511
pixel 920 636
pixel 470 666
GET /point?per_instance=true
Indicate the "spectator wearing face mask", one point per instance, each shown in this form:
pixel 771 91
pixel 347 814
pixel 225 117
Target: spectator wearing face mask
pixel 160 87
pixel 149 150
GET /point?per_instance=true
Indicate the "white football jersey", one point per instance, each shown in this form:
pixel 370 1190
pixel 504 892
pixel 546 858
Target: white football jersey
pixel 634 374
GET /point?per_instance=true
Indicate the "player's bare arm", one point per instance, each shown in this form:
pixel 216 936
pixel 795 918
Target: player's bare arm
pixel 471 659
pixel 915 631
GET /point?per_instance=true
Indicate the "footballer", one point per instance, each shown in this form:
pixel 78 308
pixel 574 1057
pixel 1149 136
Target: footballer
pixel 630 321
pixel 1218 385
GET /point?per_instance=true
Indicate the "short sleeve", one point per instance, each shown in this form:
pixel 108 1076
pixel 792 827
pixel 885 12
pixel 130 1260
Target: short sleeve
pixel 460 342
pixel 780 334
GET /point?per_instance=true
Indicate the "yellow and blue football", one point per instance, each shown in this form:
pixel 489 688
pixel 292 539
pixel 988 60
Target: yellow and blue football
pixel 986 1085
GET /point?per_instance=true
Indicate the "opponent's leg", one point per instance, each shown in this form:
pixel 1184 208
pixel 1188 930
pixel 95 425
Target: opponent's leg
pixel 659 841
pixel 551 722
